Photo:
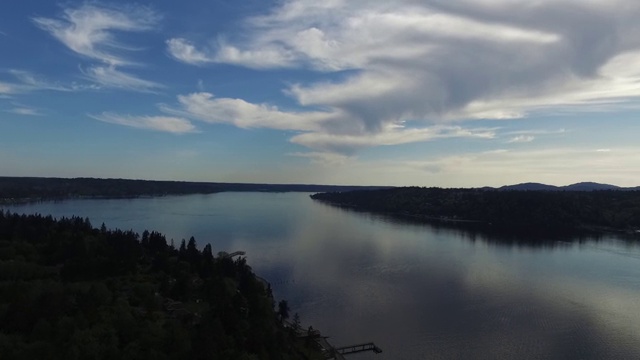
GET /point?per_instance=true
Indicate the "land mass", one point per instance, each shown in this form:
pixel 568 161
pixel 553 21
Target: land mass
pixel 72 291
pixel 507 209
pixel 19 189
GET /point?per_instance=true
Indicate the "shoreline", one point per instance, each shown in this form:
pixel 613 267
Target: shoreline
pixel 470 224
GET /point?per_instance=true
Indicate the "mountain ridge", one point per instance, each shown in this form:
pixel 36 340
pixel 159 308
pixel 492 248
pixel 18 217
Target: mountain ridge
pixel 580 186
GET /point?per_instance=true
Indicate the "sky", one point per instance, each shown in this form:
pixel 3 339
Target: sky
pixel 462 93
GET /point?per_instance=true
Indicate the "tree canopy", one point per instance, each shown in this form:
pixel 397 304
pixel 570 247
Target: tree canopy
pixel 71 291
pixel 523 210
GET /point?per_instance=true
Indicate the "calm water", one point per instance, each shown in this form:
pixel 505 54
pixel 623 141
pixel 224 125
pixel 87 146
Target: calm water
pixel 418 292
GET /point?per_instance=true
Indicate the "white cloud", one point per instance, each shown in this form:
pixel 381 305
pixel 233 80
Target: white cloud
pixel 173 125
pixel 205 107
pixel 184 51
pixel 90 30
pixel 269 57
pixel 521 139
pixel 435 62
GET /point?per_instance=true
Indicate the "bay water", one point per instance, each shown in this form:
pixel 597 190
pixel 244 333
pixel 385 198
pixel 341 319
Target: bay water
pixel 417 291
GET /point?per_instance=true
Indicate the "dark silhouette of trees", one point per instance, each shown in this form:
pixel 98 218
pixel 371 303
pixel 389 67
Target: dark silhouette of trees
pixel 283 310
pixel 69 291
pixel 33 188
pixel 542 211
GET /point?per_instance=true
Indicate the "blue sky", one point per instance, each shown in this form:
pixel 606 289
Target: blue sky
pixel 405 92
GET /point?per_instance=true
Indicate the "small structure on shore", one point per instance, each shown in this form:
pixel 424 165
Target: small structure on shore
pixel 224 254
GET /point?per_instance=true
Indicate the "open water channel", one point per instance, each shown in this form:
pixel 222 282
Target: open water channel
pixel 417 291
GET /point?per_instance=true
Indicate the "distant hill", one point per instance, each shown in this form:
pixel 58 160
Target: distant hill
pixel 530 186
pixel 590 186
pixel 582 186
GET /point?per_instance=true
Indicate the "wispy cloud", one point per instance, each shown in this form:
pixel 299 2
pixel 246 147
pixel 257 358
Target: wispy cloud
pixel 173 125
pixel 110 76
pixel 183 50
pixel 349 144
pixel 29 81
pixel 25 111
pixel 22 109
pixel 264 58
pixel 521 139
pixel 26 81
pixel 536 132
pixel 205 107
pixel 324 158
pixel 6 88
pixel 90 30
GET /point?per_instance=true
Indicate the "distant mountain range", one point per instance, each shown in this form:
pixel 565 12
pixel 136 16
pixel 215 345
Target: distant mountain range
pixel 582 186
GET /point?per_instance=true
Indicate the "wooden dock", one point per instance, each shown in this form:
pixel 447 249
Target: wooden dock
pixel 233 254
pixel 352 349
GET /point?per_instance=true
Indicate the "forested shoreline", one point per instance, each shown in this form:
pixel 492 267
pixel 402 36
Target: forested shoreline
pixel 541 211
pixel 72 291
pixel 25 189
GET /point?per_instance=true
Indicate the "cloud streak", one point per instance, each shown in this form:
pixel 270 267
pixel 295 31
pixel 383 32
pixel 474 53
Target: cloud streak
pixel 21 109
pixel 111 77
pixel 349 144
pixel 174 125
pixel 26 81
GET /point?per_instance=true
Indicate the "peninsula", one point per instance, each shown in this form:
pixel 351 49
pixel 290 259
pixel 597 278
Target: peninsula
pixel 516 210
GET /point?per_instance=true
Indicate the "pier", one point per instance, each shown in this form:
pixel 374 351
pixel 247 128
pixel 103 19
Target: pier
pixel 330 351
pixel 227 255
pixel 346 350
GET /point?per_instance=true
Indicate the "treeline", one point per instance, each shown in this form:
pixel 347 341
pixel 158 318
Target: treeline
pixel 70 291
pixel 514 210
pixel 29 188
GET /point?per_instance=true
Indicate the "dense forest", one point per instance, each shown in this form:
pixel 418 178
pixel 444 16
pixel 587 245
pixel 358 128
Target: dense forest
pixel 513 210
pixel 71 291
pixel 15 189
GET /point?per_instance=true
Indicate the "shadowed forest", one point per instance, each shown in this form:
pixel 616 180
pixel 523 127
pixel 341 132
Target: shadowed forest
pixel 71 291
pixel 523 211
pixel 18 189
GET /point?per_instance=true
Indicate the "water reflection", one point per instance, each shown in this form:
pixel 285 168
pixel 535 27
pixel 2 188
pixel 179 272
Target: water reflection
pixel 417 291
